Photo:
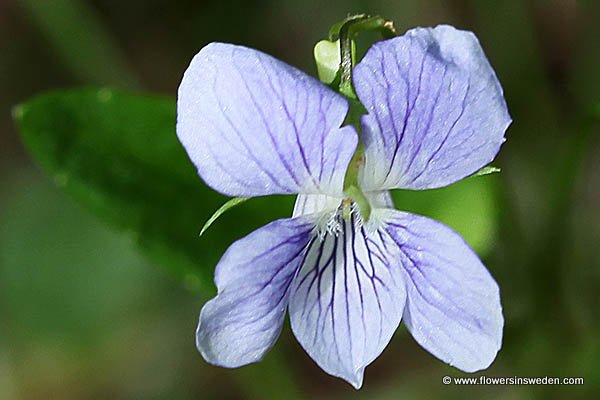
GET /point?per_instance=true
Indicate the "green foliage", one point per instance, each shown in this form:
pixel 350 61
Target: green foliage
pixel 119 156
pixel 65 277
pixel 470 207
pixel 89 50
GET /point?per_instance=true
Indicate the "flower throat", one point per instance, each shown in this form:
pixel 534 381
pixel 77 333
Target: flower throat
pixel 339 78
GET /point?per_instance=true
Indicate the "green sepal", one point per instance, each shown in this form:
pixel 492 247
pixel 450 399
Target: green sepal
pixel 222 210
pixel 328 58
pixel 487 170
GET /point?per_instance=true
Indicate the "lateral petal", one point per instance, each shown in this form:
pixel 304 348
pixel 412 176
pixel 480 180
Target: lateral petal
pixel 242 322
pixel 453 304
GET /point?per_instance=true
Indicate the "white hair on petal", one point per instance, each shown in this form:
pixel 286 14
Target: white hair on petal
pixel 358 218
pixel 331 222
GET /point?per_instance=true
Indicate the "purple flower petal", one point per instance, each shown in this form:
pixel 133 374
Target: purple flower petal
pixel 347 301
pixel 241 323
pixel 254 125
pixel 436 109
pixel 453 304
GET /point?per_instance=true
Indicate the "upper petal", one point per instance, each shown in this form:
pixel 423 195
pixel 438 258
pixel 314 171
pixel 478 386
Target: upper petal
pixel 436 109
pixel 254 125
pixel 453 304
pixel 347 301
pixel 240 324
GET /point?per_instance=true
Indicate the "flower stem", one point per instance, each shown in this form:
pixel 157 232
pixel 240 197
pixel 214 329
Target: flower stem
pixel 347 31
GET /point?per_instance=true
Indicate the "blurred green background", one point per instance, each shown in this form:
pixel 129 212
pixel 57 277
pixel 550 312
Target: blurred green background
pixel 100 288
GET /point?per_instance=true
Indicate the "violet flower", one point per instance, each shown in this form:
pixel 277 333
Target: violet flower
pixel 347 266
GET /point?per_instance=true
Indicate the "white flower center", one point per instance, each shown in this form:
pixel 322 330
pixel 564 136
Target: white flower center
pixel 331 212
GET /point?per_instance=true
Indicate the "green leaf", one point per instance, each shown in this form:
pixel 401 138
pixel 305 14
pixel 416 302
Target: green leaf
pixel 222 210
pixel 118 155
